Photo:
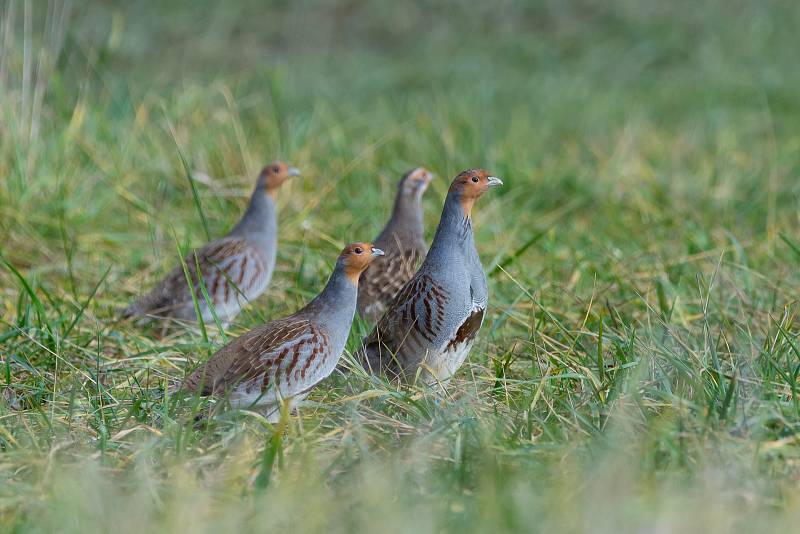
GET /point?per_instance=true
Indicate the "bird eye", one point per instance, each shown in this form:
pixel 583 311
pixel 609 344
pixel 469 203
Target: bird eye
pixel 276 170
pixel 358 250
pixel 475 179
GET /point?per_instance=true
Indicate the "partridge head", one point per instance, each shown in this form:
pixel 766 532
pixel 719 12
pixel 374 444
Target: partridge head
pixel 274 175
pixel 355 258
pixel 414 183
pixel 470 185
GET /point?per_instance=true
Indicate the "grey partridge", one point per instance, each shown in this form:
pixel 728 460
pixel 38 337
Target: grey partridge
pixel 431 325
pixel 403 240
pixel 284 359
pixel 234 270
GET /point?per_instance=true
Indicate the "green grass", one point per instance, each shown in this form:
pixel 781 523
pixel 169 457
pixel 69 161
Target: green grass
pixel 637 369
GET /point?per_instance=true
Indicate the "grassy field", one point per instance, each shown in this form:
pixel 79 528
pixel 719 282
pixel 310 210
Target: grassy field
pixel 638 368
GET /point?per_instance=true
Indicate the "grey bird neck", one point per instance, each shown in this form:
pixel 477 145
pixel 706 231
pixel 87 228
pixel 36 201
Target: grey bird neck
pixel 335 306
pixel 454 238
pixel 259 222
pixel 453 258
pixel 406 219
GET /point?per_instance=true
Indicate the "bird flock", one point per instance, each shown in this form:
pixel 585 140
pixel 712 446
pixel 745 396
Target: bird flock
pixel 427 306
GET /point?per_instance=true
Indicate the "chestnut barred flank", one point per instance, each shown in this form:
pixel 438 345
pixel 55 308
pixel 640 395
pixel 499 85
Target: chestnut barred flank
pixel 232 272
pixel 282 353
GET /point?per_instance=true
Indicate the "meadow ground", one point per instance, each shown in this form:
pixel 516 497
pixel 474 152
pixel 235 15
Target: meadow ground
pixel 638 367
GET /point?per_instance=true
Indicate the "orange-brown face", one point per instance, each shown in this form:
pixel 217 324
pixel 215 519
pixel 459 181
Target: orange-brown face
pixel 356 257
pixel 274 174
pixel 471 185
pixel 416 181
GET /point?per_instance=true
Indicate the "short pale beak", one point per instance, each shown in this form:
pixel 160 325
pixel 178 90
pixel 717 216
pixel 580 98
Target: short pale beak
pixel 293 171
pixel 377 252
pixel 494 181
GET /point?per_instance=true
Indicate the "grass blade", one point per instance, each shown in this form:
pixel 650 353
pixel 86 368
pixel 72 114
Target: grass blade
pixel 209 302
pixel 272 450
pixel 37 304
pixel 190 283
pixel 188 172
pixel 85 304
pixel 519 252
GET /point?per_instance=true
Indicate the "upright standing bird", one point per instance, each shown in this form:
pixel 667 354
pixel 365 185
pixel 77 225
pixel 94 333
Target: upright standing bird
pixel 284 359
pixel 430 326
pixel 403 240
pixel 235 269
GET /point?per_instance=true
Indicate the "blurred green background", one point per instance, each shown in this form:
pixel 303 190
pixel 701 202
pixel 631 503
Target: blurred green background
pixel 637 370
